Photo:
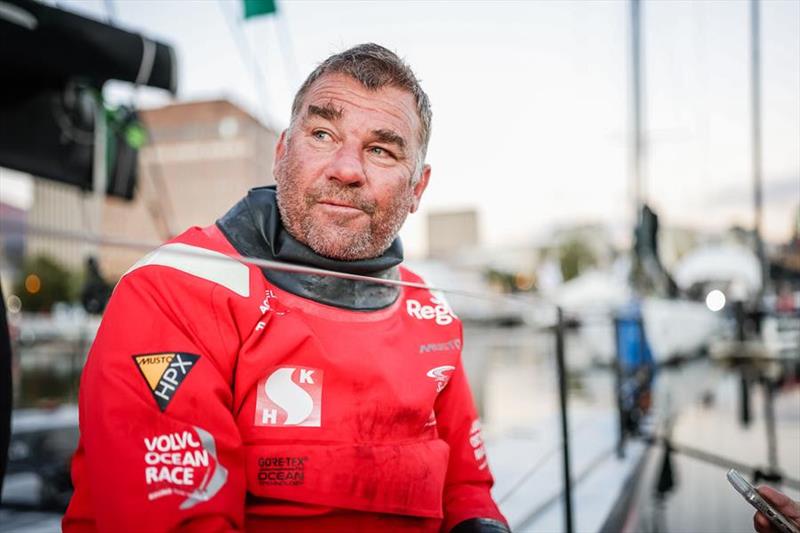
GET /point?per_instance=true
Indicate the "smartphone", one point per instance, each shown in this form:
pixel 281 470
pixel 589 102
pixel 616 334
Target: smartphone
pixel 754 498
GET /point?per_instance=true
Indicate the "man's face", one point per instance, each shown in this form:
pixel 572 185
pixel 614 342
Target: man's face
pixel 344 169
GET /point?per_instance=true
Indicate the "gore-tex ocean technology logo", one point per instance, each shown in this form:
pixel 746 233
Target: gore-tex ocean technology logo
pixel 183 463
pixel 439 311
pixel 290 396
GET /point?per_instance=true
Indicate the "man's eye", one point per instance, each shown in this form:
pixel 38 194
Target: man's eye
pixel 380 152
pixel 320 135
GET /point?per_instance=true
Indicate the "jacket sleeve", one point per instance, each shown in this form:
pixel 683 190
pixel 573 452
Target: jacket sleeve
pixel 159 448
pixel 467 486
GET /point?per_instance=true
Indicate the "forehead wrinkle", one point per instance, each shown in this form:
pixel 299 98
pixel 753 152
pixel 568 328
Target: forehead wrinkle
pixel 375 100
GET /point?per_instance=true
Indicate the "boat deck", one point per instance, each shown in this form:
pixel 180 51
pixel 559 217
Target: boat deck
pixel 702 500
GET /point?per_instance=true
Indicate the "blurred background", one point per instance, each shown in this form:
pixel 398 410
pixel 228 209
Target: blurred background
pixel 616 184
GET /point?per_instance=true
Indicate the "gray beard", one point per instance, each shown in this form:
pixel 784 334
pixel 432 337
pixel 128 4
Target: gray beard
pixel 332 241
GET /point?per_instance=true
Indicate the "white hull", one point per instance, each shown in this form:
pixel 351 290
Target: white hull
pixel 674 328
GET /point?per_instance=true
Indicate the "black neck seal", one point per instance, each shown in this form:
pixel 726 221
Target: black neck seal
pixel 253 226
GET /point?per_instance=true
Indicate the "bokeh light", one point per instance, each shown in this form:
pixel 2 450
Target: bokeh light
pixel 715 300
pixel 33 284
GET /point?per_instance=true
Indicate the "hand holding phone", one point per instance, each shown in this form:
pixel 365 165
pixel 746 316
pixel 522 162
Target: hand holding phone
pixel 783 516
pixel 785 505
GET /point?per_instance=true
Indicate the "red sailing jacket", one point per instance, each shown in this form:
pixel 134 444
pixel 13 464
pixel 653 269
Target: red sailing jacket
pixel 212 400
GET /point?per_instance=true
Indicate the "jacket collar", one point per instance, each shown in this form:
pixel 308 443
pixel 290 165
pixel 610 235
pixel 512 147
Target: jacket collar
pixel 253 226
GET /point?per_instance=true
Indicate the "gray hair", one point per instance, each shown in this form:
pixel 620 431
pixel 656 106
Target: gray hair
pixel 374 67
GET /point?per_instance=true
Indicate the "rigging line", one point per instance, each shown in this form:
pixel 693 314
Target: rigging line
pixel 162 210
pixel 14 227
pixel 535 468
pixel 537 303
pixel 287 45
pixel 251 63
pixel 111 11
pixel 146 64
pixel 602 457
pixel 539 464
pixel 710 458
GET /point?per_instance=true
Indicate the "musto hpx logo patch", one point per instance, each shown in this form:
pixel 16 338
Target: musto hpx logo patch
pixel 183 463
pixel 164 373
pixel 290 396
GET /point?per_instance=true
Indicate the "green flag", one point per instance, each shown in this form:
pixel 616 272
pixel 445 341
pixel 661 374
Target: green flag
pixel 254 8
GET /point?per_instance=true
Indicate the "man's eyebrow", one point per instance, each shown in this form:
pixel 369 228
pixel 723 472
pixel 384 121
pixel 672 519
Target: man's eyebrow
pixel 389 137
pixel 328 112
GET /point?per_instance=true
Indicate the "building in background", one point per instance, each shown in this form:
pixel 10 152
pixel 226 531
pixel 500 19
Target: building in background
pixel 201 159
pixel 62 207
pixel 12 245
pixel 452 232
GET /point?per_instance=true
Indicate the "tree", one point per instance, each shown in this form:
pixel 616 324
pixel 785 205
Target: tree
pixel 43 282
pixel 575 256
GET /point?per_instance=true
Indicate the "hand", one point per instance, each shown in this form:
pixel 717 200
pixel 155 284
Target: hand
pixel 782 503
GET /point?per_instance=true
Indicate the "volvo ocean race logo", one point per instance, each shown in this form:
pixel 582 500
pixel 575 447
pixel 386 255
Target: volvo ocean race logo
pixel 290 396
pixel 184 463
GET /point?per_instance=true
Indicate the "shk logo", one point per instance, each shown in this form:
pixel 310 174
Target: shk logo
pixel 442 375
pixel 164 373
pixel 290 396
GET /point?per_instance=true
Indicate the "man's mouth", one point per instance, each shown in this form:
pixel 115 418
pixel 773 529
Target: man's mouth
pixel 341 201
pixel 340 206
pixel 337 203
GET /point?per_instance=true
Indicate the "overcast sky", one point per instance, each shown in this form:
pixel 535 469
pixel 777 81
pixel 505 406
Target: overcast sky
pixel 530 99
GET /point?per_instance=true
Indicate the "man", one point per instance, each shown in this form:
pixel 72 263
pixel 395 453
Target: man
pixel 220 396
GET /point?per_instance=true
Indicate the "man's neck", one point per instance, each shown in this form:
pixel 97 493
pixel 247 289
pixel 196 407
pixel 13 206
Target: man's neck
pixel 253 226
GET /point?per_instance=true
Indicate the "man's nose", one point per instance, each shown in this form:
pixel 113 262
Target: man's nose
pixel 347 167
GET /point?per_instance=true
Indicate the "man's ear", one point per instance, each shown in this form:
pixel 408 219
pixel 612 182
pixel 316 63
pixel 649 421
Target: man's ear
pixel 420 187
pixel 280 149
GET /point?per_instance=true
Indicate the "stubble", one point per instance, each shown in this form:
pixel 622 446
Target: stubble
pixel 330 239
